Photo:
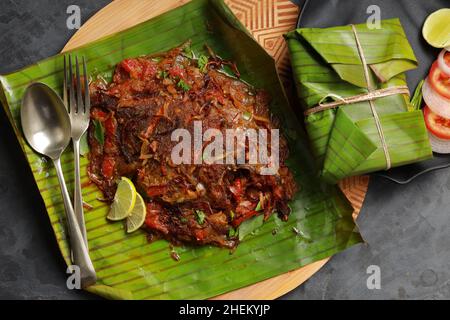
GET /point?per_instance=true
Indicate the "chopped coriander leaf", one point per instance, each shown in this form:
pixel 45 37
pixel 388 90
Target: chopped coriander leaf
pixel 162 74
pixel 183 85
pixel 246 116
pixel 232 214
pixel 200 215
pixel 183 219
pixel 202 63
pixel 232 232
pixel 258 206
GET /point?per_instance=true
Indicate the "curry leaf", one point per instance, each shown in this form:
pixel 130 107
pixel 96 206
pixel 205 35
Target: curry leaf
pixel 99 132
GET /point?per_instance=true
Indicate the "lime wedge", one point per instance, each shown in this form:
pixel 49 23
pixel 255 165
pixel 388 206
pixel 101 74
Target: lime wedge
pixel 137 216
pixel 436 29
pixel 124 200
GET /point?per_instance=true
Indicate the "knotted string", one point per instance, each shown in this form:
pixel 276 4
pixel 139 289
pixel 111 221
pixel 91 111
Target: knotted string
pixel 380 93
pixel 371 103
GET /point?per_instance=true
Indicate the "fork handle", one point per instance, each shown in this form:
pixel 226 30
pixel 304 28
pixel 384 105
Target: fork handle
pixel 78 198
pixel 79 250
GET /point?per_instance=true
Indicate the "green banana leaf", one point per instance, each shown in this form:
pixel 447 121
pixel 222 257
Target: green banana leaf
pixel 345 140
pixel 128 266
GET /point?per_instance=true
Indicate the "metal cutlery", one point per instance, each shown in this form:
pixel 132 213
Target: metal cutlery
pixel 46 127
pixel 77 101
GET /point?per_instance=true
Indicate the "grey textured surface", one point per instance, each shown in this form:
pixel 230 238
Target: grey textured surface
pixel 407 233
pixel 31 266
pixel 406 227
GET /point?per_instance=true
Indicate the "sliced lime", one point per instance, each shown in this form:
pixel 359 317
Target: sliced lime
pixel 124 200
pixel 137 216
pixel 436 29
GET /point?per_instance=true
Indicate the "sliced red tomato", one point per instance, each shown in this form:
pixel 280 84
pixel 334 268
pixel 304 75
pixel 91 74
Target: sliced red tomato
pixel 437 125
pixel 108 167
pixel 152 220
pixel 439 80
pixel 249 214
pixel 149 69
pixel 154 191
pixel 177 71
pixel 133 67
pixel 237 189
pixel 244 211
pixel 139 68
pixel 110 126
pixel 200 234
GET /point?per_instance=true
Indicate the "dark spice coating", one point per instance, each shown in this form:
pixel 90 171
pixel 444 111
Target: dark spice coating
pixel 150 97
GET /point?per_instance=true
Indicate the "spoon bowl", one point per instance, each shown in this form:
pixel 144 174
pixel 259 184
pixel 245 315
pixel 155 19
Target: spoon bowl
pixel 45 122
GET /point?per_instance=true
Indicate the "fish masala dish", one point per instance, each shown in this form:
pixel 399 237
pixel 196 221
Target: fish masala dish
pixel 198 203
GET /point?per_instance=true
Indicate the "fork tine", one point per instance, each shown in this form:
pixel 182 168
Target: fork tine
pixel 66 100
pixel 80 104
pixel 87 99
pixel 72 103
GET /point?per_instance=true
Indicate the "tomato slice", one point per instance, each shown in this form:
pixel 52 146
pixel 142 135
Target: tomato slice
pixel 177 71
pixel 133 67
pixel 437 125
pixel 108 167
pixel 139 68
pixel 439 80
pixel 149 69
pixel 154 191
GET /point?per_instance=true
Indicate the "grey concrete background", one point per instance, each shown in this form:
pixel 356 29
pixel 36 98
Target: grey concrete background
pixel 406 227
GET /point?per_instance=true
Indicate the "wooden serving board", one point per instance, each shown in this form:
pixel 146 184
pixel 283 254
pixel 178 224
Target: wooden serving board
pixel 267 20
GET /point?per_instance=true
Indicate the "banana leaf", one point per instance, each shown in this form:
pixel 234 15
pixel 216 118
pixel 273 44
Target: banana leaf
pixel 345 140
pixel 128 266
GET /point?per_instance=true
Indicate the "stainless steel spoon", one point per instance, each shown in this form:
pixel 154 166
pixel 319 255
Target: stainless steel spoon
pixel 46 126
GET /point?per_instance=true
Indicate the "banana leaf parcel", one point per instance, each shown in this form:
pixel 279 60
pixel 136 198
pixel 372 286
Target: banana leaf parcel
pixel 127 265
pixel 335 70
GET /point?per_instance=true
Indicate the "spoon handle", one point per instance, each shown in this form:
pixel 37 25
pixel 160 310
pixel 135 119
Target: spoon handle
pixel 79 250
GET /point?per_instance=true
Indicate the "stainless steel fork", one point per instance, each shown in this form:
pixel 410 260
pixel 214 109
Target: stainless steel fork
pixel 77 100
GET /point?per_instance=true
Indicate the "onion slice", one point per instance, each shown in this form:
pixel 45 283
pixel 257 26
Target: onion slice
pixel 441 62
pixel 435 102
pixel 439 145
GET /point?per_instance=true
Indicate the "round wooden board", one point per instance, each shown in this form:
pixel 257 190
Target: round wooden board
pixel 268 20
